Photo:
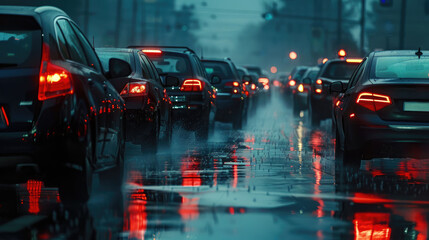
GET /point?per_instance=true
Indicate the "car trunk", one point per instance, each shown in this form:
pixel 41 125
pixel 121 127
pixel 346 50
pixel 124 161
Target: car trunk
pixel 410 100
pixel 20 57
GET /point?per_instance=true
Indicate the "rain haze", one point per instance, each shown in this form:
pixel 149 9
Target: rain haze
pixel 214 119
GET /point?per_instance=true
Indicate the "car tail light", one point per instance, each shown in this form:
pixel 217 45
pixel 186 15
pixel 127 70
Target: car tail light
pixel 192 85
pixel 301 88
pixel 266 87
pixel 351 60
pixel 152 51
pixel 5 118
pixel 232 84
pixel 54 81
pixel 318 90
pixel 264 81
pixel 372 101
pixel 319 82
pixel 134 89
pixel 247 82
pixel 292 83
pixel 253 86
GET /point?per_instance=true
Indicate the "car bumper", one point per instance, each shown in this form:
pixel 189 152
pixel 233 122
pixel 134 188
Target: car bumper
pixel 378 138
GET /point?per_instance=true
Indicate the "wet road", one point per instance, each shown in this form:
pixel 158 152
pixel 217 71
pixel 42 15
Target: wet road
pixel 275 179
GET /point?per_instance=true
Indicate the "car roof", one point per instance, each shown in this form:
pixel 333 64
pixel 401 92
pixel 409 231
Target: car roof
pixel 116 49
pixel 176 49
pixel 399 53
pixel 216 60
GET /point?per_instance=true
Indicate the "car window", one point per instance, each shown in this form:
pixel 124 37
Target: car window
pixel 339 70
pixel 401 67
pixel 105 56
pixel 220 69
pixel 155 71
pixel 62 44
pixel 299 74
pixel 75 49
pixel 89 51
pixel 200 68
pixel 357 74
pixel 20 42
pixel 172 63
pixel 152 72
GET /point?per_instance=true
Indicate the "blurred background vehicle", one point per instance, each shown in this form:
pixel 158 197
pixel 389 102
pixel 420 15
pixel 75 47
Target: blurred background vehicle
pixel 191 92
pixel 231 98
pixel 148 107
pixel 300 95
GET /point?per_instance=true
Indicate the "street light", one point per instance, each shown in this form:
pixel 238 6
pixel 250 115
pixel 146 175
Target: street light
pixel 293 55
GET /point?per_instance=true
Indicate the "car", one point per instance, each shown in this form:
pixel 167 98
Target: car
pixel 300 94
pixel 263 80
pixel 295 75
pixel 148 106
pixel 383 111
pixel 191 92
pixel 231 98
pixel 320 99
pixel 60 119
pixel 252 87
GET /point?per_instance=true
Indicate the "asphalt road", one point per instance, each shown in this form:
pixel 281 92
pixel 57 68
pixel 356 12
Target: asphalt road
pixel 275 179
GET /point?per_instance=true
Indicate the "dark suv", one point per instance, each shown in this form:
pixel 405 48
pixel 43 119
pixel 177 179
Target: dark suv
pixel 62 119
pixel 320 98
pixel 231 98
pixel 148 107
pixel 191 93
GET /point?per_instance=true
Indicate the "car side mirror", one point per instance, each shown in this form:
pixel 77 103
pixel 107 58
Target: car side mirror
pixel 171 81
pixel 119 68
pixel 337 87
pixel 215 79
pixel 306 81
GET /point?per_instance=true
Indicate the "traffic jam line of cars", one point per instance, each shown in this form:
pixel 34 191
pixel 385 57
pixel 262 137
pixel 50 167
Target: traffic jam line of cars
pixel 379 105
pixel 66 109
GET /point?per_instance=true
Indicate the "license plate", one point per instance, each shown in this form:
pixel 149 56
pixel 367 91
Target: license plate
pixel 416 106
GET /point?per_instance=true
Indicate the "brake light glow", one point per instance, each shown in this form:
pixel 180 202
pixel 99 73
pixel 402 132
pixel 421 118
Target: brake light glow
pixel 266 87
pixel 152 51
pixel 342 53
pixel 264 81
pixel 247 82
pixel 5 116
pixel 134 89
pixel 324 60
pixel 292 83
pixel 351 60
pixel 192 85
pixel 301 88
pixel 253 86
pixel 319 82
pixel 236 84
pixel 318 90
pixel 372 101
pixel 54 81
pixel 235 90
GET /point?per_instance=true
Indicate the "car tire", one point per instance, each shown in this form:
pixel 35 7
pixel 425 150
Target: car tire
pixel 150 144
pixel 76 185
pixel 348 158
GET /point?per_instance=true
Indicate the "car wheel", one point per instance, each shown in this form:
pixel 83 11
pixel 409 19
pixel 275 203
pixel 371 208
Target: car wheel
pixel 150 144
pixel 76 184
pixel 112 179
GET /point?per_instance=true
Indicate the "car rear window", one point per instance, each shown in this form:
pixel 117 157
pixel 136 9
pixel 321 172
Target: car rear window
pixel 299 74
pixel 339 70
pixel 255 70
pixel 401 67
pixel 20 42
pixel 105 56
pixel 219 69
pixel 171 63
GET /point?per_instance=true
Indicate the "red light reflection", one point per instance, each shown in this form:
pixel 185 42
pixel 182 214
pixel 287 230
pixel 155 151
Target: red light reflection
pixel 34 189
pixel 372 226
pixel 190 167
pixel 189 208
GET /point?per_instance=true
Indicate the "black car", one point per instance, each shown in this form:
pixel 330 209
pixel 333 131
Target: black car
pixel 60 118
pixel 294 77
pixel 300 94
pixel 231 98
pixel 383 110
pixel 192 94
pixel 320 98
pixel 148 107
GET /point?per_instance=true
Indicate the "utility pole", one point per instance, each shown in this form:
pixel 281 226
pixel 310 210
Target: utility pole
pixel 362 28
pixel 402 25
pixel 118 22
pixel 134 23
pixel 339 22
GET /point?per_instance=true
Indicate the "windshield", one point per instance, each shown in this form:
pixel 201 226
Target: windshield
pixel 339 70
pixel 219 69
pixel 20 42
pixel 105 56
pixel 401 67
pixel 171 63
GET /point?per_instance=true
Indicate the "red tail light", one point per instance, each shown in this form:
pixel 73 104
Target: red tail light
pixel 54 81
pixel 152 51
pixel 232 84
pixel 301 88
pixel 318 90
pixel 319 82
pixel 264 81
pixel 134 89
pixel 372 101
pixel 292 83
pixel 192 85
pixel 253 86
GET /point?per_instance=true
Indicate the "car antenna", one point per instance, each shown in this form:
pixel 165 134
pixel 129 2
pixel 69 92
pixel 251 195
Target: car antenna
pixel 419 53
